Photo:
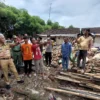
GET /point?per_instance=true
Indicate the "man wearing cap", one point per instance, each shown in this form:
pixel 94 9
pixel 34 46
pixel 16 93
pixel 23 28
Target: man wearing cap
pixel 6 61
pixel 16 54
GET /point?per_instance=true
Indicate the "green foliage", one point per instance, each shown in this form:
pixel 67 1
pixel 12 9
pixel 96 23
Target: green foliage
pixel 55 25
pixel 71 26
pixel 18 21
pixel 49 22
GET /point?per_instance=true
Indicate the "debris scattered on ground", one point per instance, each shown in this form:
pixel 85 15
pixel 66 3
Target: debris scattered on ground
pixel 71 85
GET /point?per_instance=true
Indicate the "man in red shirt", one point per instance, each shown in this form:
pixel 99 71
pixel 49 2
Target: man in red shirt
pixel 37 57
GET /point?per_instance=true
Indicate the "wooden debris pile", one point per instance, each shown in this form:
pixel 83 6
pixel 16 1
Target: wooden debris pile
pixel 56 56
pixel 83 85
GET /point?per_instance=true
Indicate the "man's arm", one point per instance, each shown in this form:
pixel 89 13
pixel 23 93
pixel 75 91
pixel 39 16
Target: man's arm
pixel 78 40
pixel 14 44
pixel 90 44
pixel 61 48
pixel 70 49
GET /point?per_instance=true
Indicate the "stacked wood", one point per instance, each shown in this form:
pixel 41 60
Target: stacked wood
pixel 85 85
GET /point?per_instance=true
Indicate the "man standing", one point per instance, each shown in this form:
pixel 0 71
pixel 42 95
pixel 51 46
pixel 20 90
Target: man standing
pixel 39 42
pixel 37 57
pixel 66 50
pixel 26 49
pixel 85 43
pixel 6 61
pixel 48 53
pixel 16 54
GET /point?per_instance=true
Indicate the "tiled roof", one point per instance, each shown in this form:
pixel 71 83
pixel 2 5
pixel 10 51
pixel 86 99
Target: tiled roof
pixel 93 30
pixel 63 31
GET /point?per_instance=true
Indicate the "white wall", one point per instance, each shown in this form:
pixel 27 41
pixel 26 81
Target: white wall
pixel 97 41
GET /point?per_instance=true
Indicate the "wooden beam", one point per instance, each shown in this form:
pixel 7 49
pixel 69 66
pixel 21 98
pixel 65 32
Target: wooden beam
pixel 81 91
pixel 81 83
pixel 75 77
pixel 73 93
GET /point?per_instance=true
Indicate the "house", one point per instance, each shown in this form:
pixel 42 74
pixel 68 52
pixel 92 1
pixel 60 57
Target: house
pixel 95 30
pixel 58 34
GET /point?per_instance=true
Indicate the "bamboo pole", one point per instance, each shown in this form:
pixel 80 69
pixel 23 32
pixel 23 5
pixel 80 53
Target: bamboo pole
pixel 72 93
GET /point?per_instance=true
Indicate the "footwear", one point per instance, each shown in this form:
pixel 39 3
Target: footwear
pixel 2 76
pixel 7 86
pixel 9 74
pixel 29 75
pixel 82 71
pixel 47 65
pixel 21 81
pixel 34 74
pixel 50 65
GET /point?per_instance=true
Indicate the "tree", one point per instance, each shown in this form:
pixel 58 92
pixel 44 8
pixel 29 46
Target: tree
pixel 49 22
pixel 19 21
pixel 71 26
pixel 55 25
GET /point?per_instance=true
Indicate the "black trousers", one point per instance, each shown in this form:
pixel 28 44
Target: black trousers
pixel 28 66
pixel 82 56
pixel 48 57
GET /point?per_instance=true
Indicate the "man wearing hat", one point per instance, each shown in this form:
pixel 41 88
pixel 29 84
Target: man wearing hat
pixel 6 62
pixel 16 54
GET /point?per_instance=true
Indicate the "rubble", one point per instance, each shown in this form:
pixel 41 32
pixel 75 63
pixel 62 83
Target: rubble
pixel 70 83
pixel 80 84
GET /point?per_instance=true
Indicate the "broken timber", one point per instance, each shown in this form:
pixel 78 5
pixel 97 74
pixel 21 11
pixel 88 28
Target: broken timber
pixel 81 83
pixel 89 96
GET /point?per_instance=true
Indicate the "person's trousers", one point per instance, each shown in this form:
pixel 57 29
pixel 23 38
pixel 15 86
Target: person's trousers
pixel 82 56
pixel 48 58
pixel 39 66
pixel 28 66
pixel 7 64
pixel 17 56
pixel 65 63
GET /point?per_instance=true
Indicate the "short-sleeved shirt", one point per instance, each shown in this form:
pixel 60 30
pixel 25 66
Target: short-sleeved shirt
pixel 84 42
pixel 26 51
pixel 36 52
pixel 5 51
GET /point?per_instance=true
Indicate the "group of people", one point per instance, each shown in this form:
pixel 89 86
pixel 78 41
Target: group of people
pixel 23 51
pixel 83 43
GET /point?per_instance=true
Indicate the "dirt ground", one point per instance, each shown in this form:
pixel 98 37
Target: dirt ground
pixel 33 88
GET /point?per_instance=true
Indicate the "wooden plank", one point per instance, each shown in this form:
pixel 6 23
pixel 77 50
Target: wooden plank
pixel 74 76
pixel 73 93
pixel 80 90
pixel 81 75
pixel 81 83
pixel 93 75
pixel 67 79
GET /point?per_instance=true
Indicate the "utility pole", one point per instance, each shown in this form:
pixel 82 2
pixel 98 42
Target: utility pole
pixel 50 11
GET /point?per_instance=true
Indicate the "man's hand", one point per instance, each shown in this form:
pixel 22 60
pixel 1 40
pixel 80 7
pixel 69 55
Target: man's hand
pixel 15 44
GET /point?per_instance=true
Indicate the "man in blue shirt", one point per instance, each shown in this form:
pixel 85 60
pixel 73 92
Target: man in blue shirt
pixel 66 50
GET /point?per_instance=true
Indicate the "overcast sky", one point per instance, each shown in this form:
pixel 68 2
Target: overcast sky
pixel 79 13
